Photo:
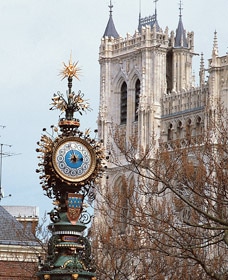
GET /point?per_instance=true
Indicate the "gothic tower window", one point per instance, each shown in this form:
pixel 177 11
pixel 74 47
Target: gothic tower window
pixel 179 130
pixel 198 126
pixel 170 132
pixel 169 71
pixel 137 94
pixel 120 196
pixel 188 129
pixel 123 104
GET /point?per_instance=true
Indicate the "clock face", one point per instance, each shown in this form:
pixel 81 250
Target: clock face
pixel 74 159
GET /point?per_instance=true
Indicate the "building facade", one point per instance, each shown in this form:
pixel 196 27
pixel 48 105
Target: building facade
pixel 147 86
pixel 19 249
pixel 150 104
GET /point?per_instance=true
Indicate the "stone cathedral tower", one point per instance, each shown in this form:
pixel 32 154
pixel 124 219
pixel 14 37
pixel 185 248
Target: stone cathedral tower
pixel 147 86
pixel 137 71
pixel 149 103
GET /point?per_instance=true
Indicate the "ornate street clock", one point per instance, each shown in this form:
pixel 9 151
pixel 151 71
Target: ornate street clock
pixel 71 163
pixel 73 160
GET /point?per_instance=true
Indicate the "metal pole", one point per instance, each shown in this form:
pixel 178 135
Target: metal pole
pixel 1 155
pixel 1 195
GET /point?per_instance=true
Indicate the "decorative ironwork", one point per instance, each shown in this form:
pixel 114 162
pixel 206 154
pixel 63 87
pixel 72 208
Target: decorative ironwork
pixel 85 217
pixel 71 70
pixel 51 182
pixel 70 165
pixel 74 103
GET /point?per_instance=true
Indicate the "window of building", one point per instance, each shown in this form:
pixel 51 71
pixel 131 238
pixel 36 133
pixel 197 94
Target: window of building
pixel 188 129
pixel 170 132
pixel 120 196
pixel 123 104
pixel 137 94
pixel 198 128
pixel 169 71
pixel 179 134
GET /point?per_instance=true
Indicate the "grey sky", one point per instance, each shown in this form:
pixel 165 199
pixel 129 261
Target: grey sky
pixel 36 36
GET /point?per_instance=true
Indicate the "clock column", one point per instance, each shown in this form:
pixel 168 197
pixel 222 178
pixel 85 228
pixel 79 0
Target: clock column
pixel 71 163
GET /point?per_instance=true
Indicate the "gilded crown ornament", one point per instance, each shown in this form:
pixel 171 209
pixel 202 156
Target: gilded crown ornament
pixel 70 70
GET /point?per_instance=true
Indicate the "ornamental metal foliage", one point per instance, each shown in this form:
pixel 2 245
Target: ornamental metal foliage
pixel 75 102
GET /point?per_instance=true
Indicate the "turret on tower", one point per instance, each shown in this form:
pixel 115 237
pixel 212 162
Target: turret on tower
pixel 180 57
pixel 181 39
pixel 110 30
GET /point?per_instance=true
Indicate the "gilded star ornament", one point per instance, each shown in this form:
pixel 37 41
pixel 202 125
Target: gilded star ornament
pixel 70 70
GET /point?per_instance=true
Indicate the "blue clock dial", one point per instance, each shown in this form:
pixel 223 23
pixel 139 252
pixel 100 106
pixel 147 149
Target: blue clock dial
pixel 74 159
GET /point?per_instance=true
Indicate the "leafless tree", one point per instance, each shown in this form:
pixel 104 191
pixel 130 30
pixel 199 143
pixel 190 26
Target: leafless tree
pixel 171 220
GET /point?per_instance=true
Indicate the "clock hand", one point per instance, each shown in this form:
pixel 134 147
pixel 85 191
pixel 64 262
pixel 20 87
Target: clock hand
pixel 74 157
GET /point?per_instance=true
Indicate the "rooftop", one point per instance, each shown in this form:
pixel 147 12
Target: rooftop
pixel 23 211
pixel 12 232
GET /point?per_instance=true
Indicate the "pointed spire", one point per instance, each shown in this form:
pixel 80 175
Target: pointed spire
pixel 180 8
pixel 202 71
pixel 155 13
pixel 140 10
pixel 201 62
pixel 110 7
pixel 180 40
pixel 215 45
pixel 110 30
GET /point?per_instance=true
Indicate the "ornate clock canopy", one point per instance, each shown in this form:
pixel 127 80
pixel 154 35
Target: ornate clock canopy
pixel 72 161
